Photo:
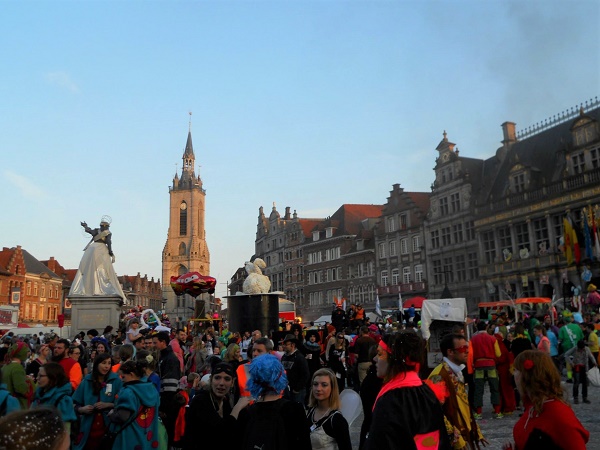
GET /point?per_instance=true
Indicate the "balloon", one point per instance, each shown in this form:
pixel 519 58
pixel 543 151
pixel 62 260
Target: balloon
pixel 193 283
pixel 351 405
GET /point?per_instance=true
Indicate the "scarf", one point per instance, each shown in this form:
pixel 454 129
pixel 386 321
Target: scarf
pixel 402 380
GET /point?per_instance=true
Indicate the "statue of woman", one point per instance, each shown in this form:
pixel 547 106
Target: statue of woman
pixel 96 275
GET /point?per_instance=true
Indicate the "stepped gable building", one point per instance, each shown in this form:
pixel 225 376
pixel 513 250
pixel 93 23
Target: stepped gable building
pixel 67 276
pixel 142 292
pixel 451 245
pixel 400 251
pixel 299 232
pixel 329 253
pixel 533 182
pixel 31 285
pixel 186 249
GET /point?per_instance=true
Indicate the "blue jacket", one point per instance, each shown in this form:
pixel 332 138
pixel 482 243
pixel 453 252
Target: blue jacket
pixel 140 431
pixel 58 397
pixel 84 395
pixel 12 404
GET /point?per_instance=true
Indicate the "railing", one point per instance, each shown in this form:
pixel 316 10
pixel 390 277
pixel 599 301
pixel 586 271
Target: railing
pixel 557 118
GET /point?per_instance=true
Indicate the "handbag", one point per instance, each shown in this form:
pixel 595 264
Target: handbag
pixel 593 376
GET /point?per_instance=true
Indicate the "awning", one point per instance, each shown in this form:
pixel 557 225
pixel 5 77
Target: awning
pixel 416 301
pixel 520 301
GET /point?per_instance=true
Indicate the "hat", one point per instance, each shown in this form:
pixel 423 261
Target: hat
pixel 291 338
pixel 591 287
pixel 19 350
pixel 223 367
pixel 373 327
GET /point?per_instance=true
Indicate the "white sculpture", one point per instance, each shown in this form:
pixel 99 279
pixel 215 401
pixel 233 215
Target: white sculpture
pixel 256 282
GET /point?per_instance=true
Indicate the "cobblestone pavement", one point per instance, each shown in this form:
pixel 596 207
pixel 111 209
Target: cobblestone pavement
pixel 499 431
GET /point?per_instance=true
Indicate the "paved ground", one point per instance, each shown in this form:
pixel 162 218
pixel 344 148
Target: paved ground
pixel 499 431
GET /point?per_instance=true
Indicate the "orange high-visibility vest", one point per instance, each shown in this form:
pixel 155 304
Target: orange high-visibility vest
pixel 242 376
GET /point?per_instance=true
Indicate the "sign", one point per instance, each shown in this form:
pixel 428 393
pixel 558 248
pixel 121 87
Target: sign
pixel 15 296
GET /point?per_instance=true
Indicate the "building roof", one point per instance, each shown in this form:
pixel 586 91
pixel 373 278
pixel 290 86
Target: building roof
pixel 36 267
pixel 542 154
pixel 347 219
pixel 308 225
pixel 189 148
pixel 58 269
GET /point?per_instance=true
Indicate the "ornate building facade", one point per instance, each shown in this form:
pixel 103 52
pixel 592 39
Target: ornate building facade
pixel 186 249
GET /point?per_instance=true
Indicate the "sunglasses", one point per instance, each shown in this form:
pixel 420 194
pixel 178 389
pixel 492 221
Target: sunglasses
pixel 462 349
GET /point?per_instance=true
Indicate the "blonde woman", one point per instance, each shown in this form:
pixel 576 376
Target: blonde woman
pixel 233 356
pixel 328 428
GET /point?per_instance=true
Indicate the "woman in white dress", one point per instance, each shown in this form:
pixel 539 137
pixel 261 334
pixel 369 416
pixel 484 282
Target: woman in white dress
pixel 96 275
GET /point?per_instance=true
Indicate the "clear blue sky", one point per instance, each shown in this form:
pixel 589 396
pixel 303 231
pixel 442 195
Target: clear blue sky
pixel 309 104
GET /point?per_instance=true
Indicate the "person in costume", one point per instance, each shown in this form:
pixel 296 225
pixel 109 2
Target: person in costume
pixel 568 336
pixel 93 399
pixel 407 413
pixel 8 403
pixel 135 415
pixel 548 422
pixel 210 409
pixel 460 423
pixel 96 275
pixel 13 374
pixel 287 426
pixel 329 429
pixel 54 391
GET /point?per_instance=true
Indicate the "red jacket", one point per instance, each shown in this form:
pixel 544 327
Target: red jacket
pixel 485 350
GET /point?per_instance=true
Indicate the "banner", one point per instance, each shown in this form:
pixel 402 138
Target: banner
pixel 378 307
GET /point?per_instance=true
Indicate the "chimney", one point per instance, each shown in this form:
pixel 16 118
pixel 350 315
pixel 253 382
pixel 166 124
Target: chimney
pixel 287 213
pixel 508 129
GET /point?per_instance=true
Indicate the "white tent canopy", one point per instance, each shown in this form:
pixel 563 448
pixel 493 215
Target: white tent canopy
pixel 449 309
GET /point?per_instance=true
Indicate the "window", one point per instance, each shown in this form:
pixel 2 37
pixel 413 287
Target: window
pixel 182 249
pixel 404 246
pixel 489 246
pixel 438 276
pixel 406 275
pixel 455 202
pixel 370 268
pixel 435 239
pixel 416 243
pixel 395 277
pixel 504 238
pixel 361 269
pixel 470 230
pixel 29 288
pixel 557 226
pixel 419 273
pixel 519 182
pixel 448 273
pixel 391 224
pixel 384 277
pixel 393 248
pixel 183 219
pixel 473 265
pixel 446 236
pixel 595 157
pixel 328 232
pixel 444 206
pixel 461 268
pixel 522 235
pixel 540 230
pixel 457 231
pixel 403 221
pixel 35 289
pixel 315 236
pixel 382 249
pixel 578 161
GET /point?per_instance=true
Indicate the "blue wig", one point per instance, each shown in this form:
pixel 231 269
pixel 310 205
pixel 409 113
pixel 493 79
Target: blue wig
pixel 266 375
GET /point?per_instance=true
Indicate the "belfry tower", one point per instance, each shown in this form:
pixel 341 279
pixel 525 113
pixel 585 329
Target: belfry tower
pixel 185 249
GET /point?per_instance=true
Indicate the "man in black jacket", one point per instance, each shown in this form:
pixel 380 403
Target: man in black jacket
pixel 296 369
pixel 169 371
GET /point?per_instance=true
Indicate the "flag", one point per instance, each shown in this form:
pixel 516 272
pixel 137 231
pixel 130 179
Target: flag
pixel 595 237
pixel 568 238
pixel 400 301
pixel 378 307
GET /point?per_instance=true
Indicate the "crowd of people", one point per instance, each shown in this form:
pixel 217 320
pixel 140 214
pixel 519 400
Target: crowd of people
pixel 194 389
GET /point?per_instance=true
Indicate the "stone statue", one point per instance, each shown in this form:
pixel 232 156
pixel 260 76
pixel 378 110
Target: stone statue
pixel 96 275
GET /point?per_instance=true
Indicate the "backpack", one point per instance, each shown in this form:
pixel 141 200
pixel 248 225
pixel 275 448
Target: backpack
pixel 266 431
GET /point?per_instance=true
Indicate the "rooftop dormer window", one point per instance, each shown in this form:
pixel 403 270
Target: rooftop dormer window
pixel 328 232
pixel 315 236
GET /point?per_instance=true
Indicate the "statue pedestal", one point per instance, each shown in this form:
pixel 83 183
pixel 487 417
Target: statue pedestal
pixel 253 312
pixel 97 312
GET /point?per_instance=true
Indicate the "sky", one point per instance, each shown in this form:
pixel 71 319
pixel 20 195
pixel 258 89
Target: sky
pixel 306 104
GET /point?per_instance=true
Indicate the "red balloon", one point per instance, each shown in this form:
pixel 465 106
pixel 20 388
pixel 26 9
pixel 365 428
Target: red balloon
pixel 193 283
